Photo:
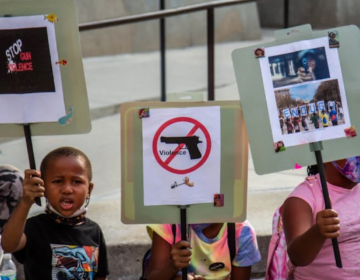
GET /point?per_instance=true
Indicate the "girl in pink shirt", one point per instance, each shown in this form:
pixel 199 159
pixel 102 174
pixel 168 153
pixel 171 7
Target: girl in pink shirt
pixel 309 230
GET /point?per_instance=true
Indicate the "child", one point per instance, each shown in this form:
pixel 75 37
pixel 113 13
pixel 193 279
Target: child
pixel 60 243
pixel 304 123
pixel 10 193
pixel 315 120
pixel 308 234
pixel 325 119
pixel 208 246
pixel 296 124
pixel 289 126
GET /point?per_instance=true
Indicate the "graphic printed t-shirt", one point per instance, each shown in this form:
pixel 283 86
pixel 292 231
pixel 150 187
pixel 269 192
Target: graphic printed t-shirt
pixel 214 252
pixel 347 204
pixel 56 251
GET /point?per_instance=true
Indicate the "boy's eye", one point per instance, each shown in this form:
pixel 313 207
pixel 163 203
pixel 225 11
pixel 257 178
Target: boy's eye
pixel 77 181
pixel 57 181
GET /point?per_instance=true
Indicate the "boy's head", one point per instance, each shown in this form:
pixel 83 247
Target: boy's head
pixel 67 176
pixel 323 112
pixel 10 191
pixel 66 152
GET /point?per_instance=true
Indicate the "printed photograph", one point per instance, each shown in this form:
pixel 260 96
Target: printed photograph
pixel 350 132
pixel 309 107
pixel 279 146
pixel 334 39
pixel 259 52
pixel 299 67
pixel 218 200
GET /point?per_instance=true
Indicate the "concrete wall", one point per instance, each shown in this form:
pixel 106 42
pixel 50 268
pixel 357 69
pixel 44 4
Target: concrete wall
pixel 233 23
pixel 319 13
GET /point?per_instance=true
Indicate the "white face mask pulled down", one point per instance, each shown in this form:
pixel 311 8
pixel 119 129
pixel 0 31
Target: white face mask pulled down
pixel 82 210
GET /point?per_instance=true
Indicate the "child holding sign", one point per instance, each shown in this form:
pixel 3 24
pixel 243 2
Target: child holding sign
pixel 309 229
pixel 206 255
pixel 60 243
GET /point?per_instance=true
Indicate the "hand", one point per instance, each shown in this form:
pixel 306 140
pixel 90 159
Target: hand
pixel 328 223
pixel 33 186
pixel 303 76
pixel 180 254
pixel 192 276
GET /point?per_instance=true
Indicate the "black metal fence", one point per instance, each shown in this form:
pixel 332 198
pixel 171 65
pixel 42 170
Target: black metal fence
pixel 162 14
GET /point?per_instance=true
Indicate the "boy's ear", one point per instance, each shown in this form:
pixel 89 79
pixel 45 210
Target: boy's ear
pixel 91 186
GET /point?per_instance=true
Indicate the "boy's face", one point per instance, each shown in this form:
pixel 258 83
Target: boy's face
pixel 67 184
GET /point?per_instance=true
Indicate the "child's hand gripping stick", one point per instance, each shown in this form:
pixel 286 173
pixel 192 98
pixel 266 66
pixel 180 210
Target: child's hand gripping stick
pixel 33 187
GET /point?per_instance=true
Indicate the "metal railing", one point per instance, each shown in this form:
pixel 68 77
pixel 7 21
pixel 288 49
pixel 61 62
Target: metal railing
pixel 162 14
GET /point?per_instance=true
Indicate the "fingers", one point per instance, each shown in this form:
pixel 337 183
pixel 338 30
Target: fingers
pixel 328 223
pixel 33 186
pixel 31 173
pixel 180 254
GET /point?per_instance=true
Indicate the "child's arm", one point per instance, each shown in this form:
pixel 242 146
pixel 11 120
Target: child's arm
pixel 243 273
pixel 166 260
pixel 13 238
pixel 304 239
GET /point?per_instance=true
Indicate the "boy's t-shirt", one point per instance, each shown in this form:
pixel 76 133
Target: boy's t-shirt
pixel 347 204
pixel 56 251
pixel 211 257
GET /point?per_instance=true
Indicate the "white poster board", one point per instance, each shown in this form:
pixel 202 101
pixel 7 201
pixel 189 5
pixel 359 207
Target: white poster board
pixel 299 74
pixel 181 155
pixel 30 80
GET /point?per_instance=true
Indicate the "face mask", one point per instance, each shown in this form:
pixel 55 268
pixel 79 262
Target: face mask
pixel 199 227
pixel 351 169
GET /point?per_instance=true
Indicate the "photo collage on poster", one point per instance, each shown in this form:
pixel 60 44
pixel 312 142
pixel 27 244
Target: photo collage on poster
pixel 305 92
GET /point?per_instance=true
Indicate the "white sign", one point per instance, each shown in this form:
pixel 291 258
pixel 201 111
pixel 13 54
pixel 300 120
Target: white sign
pixel 303 73
pixel 294 112
pixel 331 105
pixel 287 113
pixel 181 155
pixel 312 108
pixel 303 111
pixel 321 105
pixel 30 79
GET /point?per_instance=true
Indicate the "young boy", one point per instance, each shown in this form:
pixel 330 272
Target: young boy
pixel 206 255
pixel 60 243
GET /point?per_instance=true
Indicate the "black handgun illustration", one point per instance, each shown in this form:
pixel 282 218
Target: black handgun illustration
pixel 190 142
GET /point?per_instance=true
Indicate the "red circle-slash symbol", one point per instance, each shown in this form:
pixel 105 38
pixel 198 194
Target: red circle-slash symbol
pixel 165 164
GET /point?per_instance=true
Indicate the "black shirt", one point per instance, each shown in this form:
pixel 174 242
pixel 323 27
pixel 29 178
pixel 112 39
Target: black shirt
pixel 57 251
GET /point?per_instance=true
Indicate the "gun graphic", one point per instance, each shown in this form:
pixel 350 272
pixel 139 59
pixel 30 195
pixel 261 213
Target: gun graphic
pixel 190 142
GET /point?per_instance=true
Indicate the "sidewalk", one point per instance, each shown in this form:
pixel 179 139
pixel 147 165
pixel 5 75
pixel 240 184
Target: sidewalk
pixel 118 79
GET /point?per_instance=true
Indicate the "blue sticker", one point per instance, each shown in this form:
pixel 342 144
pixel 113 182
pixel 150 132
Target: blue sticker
pixel 67 119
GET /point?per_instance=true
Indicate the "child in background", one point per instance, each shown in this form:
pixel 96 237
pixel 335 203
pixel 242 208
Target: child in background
pixel 304 123
pixel 11 180
pixel 315 120
pixel 289 126
pixel 60 243
pixel 296 124
pixel 308 234
pixel 324 118
pixel 208 246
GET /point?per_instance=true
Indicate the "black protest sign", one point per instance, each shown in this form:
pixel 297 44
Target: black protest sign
pixel 25 61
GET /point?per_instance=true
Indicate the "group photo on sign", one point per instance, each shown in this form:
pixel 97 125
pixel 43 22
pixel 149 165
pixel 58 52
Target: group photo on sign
pixel 305 92
pixel 309 107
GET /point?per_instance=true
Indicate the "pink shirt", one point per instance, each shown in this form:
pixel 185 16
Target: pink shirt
pixel 347 204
